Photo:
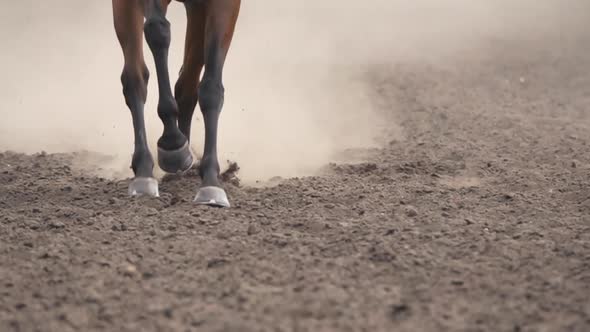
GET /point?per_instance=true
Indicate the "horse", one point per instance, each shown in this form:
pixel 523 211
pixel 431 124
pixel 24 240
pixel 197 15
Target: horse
pixel 209 32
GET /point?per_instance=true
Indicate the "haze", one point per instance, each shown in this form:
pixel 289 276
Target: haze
pixel 295 93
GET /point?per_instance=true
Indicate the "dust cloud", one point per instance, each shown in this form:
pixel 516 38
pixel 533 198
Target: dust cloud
pixel 295 87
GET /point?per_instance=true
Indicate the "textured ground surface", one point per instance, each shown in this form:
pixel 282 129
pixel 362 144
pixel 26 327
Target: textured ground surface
pixel 478 220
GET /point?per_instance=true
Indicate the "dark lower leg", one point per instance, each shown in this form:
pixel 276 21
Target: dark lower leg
pixel 221 20
pixel 134 82
pixel 157 34
pixel 211 94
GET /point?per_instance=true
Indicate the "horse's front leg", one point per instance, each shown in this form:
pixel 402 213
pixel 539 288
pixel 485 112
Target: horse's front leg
pixel 173 147
pixel 221 17
pixel 128 19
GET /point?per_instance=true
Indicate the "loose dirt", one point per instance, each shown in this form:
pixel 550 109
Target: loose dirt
pixel 477 220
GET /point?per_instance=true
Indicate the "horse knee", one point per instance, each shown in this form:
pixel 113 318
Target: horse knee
pixel 135 84
pixel 157 33
pixel 211 94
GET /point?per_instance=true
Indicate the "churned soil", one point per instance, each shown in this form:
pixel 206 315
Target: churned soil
pixel 477 220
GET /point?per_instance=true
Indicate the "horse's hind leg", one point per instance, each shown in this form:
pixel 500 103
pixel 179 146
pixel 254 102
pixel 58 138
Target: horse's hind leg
pixel 128 19
pixel 221 17
pixel 186 89
pixel 173 147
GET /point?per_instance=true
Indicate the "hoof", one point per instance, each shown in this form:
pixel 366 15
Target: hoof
pixel 175 161
pixel 212 196
pixel 144 186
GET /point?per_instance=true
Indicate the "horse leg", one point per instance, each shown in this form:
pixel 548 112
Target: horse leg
pixel 220 20
pixel 128 21
pixel 173 147
pixel 186 88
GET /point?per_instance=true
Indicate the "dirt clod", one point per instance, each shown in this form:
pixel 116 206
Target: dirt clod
pixel 411 211
pixel 56 224
pixel 230 175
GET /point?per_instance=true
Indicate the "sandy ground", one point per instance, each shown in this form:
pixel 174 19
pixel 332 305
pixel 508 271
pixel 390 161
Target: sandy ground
pixel 477 220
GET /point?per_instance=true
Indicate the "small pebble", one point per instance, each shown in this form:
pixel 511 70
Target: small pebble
pixel 223 235
pixel 216 262
pixel 32 224
pixel 151 212
pixel 130 270
pixel 57 224
pixel 168 312
pixel 92 296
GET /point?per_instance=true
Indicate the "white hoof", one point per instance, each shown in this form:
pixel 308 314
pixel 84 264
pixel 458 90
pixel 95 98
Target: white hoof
pixel 212 196
pixel 144 186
